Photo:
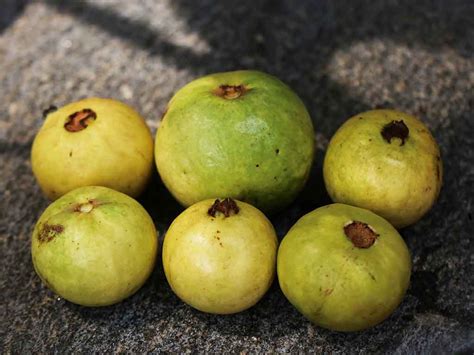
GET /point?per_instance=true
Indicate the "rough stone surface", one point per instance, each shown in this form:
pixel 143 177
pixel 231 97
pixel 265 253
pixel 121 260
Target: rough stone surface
pixel 342 57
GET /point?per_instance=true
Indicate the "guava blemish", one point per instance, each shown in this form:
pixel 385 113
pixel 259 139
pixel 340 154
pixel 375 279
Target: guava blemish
pixel 86 207
pixel 80 120
pixel 230 92
pixel 395 129
pixel 227 206
pixel 360 234
pixel 277 151
pixel 328 291
pixel 49 110
pixel 49 231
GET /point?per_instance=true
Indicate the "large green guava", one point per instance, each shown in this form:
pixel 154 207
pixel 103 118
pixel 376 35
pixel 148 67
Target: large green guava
pixel 385 161
pixel 344 267
pixel 93 141
pixel 94 246
pixel 241 134
pixel 219 256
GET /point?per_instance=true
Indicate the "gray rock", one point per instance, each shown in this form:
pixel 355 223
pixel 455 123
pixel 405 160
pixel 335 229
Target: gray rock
pixel 341 57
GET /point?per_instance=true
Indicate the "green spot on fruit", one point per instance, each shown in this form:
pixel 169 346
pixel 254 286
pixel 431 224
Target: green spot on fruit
pixel 80 120
pixel 395 129
pixel 360 234
pixel 227 207
pixel 49 232
pixel 230 92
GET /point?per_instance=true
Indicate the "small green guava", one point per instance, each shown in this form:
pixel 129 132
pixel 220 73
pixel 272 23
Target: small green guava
pixel 242 134
pixel 219 256
pixel 343 267
pixel 94 246
pixel 93 141
pixel 385 161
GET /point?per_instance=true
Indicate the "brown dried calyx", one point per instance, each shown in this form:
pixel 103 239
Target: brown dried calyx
pixel 227 206
pixel 360 234
pixel 230 92
pixel 395 129
pixel 80 120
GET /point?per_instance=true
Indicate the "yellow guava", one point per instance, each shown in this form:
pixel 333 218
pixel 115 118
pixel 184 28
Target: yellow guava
pixel 93 141
pixel 94 246
pixel 344 267
pixel 219 256
pixel 385 161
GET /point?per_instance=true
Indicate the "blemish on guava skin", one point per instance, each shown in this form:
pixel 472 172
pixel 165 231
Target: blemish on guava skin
pixel 227 206
pixel 257 165
pixel 277 151
pixel 372 276
pixel 49 231
pixel 49 110
pixel 87 206
pixel 230 92
pixel 70 153
pixel 360 234
pixel 395 129
pixel 80 120
pixel 328 291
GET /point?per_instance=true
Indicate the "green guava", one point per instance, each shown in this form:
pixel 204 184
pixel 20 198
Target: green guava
pixel 241 134
pixel 343 267
pixel 385 161
pixel 94 246
pixel 219 256
pixel 93 142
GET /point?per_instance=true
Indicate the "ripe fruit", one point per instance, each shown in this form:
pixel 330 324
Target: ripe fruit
pixel 219 256
pixel 93 142
pixel 385 161
pixel 343 267
pixel 94 246
pixel 241 134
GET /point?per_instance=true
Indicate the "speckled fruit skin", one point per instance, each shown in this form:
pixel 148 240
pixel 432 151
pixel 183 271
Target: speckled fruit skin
pixel 94 257
pixel 335 284
pixel 220 264
pixel 115 150
pixel 256 148
pixel 398 182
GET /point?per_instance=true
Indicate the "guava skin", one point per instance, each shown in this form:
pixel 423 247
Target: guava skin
pixel 399 181
pixel 257 147
pixel 335 284
pixel 114 150
pixel 94 246
pixel 220 264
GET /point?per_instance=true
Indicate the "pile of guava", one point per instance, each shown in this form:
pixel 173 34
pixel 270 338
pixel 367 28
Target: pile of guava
pixel 231 147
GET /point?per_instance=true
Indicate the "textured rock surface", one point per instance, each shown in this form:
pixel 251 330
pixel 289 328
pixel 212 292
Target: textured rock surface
pixel 342 57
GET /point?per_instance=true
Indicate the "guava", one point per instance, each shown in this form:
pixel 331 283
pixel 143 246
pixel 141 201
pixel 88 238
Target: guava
pixel 242 134
pixel 220 256
pixel 385 161
pixel 94 246
pixel 343 267
pixel 93 141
